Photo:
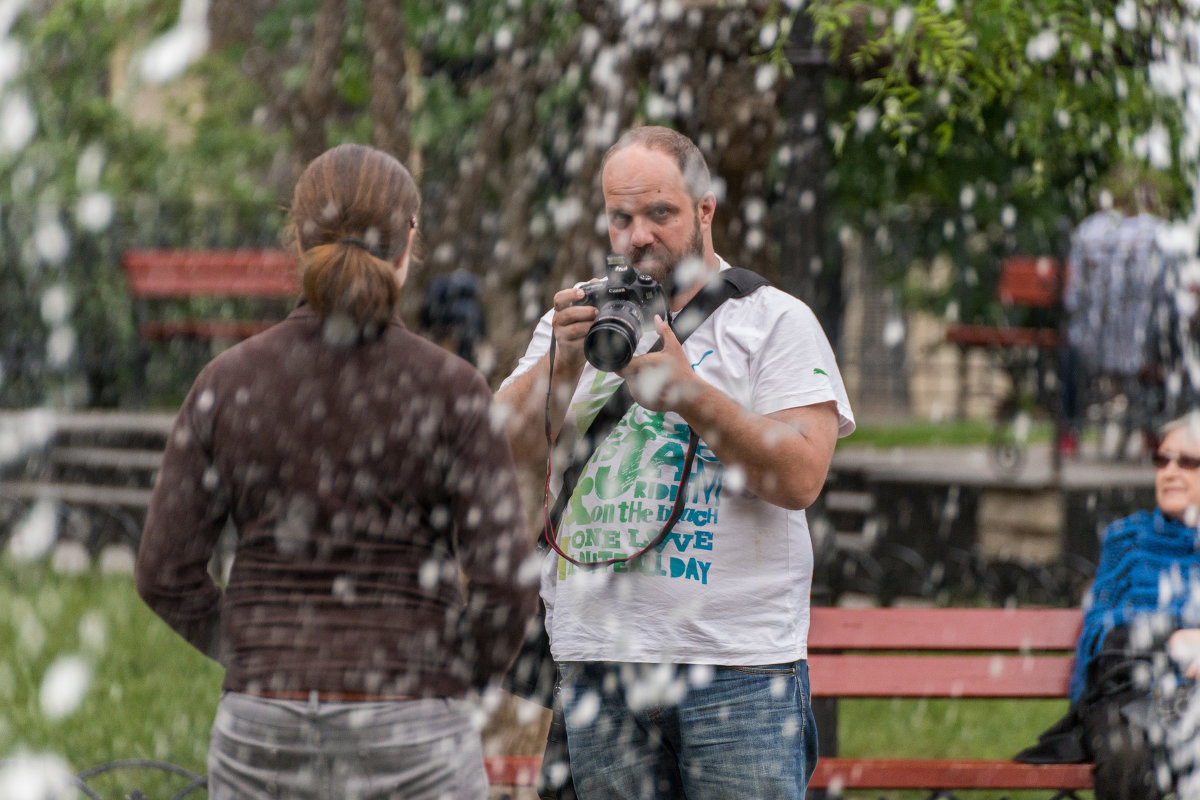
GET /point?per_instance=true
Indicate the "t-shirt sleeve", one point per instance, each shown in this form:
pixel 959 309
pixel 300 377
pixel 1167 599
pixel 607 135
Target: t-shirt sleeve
pixel 794 364
pixel 539 345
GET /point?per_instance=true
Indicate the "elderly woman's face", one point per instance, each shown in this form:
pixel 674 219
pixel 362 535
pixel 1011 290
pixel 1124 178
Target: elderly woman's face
pixel 1176 487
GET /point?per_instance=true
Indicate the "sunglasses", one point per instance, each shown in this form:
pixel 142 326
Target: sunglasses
pixel 1161 460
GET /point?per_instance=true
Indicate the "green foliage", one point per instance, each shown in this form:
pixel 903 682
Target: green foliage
pixel 224 163
pixel 78 77
pixel 960 128
pixel 932 64
pixel 974 129
pixel 446 109
pixel 276 28
pixel 63 72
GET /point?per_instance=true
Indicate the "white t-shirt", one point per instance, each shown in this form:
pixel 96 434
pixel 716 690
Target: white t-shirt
pixel 731 583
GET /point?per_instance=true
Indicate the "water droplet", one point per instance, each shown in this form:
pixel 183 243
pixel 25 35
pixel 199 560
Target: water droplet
pixel 64 686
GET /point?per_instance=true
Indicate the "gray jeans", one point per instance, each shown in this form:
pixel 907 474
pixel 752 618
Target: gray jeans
pixel 414 749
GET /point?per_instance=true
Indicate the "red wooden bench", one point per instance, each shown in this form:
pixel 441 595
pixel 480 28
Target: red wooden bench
pixel 153 275
pixel 1013 654
pixel 1027 353
pixel 1024 282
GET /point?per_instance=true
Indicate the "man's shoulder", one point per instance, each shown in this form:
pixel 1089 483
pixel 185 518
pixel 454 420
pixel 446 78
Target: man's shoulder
pixel 765 303
pixel 758 285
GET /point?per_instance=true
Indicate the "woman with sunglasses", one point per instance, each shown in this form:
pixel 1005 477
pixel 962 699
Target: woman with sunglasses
pixel 1139 608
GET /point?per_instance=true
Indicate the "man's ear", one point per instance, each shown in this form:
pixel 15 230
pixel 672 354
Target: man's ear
pixel 707 208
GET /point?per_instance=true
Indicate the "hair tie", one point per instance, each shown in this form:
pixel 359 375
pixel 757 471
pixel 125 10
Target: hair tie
pixel 356 243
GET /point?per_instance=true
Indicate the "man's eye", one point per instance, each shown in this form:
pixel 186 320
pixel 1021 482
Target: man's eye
pixel 660 213
pixel 619 220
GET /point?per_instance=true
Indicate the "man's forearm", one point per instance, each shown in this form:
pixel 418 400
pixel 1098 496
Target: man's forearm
pixel 784 456
pixel 524 402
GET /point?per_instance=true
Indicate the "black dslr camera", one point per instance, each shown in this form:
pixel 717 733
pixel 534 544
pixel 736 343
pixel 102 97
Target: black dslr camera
pixel 626 302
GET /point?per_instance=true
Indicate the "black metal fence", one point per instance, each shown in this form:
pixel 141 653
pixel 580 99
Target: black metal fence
pixel 119 780
pixel 890 573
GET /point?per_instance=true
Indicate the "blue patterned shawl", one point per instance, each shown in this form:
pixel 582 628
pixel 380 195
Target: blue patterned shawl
pixel 1149 565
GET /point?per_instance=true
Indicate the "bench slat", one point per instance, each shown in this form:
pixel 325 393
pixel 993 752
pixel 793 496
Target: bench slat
pixel 111 457
pixel 230 273
pixel 78 493
pixel 875 773
pixel 977 676
pixel 512 770
pixel 1031 281
pixel 1026 282
pixel 1023 630
pixel 898 773
pixel 966 335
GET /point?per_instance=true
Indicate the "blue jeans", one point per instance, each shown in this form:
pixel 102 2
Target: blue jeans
pixel 689 731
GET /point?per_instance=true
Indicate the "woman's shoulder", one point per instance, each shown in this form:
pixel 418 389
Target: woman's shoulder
pixel 1149 531
pixel 436 363
pixel 1125 527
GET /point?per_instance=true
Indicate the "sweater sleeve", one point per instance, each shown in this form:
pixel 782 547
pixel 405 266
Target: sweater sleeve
pixel 1105 597
pixel 187 513
pixel 493 544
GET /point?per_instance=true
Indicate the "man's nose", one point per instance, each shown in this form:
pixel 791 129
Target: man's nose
pixel 640 233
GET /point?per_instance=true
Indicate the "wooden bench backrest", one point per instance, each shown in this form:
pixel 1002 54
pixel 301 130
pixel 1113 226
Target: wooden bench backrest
pixel 215 273
pixel 925 652
pixel 942 652
pixel 1029 281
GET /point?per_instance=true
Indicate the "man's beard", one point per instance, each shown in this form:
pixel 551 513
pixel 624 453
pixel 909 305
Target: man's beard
pixel 664 270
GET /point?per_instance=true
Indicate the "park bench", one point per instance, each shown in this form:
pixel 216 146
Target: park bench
pixel 1024 282
pixel 162 275
pixel 1013 654
pixel 1026 346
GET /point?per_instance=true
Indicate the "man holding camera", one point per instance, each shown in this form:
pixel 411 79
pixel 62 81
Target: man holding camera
pixel 678 611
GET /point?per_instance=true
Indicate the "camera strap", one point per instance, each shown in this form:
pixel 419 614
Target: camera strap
pixel 733 282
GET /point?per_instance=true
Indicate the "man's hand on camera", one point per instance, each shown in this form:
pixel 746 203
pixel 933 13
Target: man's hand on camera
pixel 662 380
pixel 571 324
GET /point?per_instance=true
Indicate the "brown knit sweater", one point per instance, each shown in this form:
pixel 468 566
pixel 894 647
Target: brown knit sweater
pixel 371 491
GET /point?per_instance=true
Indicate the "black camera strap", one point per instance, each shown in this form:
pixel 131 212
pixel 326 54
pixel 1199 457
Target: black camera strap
pixel 734 282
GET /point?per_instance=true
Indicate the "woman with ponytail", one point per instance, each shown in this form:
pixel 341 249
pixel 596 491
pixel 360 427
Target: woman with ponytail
pixel 377 578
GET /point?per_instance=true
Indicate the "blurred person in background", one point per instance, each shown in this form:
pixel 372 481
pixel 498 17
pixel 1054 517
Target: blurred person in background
pixel 1124 334
pixel 451 314
pixel 373 500
pixel 1092 244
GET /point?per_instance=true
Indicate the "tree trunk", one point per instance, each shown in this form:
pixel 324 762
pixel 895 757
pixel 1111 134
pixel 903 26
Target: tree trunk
pixel 232 21
pixel 389 97
pixel 806 267
pixel 494 239
pixel 313 107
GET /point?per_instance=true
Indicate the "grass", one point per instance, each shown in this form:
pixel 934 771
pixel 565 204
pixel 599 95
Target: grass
pixel 148 694
pixel 944 729
pixel 151 696
pixel 918 433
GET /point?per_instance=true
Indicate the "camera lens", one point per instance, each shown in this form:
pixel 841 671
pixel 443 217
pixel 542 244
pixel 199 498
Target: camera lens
pixel 613 337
